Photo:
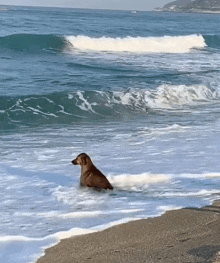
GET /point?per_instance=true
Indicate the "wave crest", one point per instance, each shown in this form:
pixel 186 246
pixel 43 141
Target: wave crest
pixel 67 107
pixel 166 44
pixel 168 97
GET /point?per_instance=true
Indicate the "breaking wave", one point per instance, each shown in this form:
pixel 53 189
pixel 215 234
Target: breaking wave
pixel 138 181
pixel 67 107
pixel 166 44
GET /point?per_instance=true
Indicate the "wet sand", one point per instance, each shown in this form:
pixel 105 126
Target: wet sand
pixel 186 235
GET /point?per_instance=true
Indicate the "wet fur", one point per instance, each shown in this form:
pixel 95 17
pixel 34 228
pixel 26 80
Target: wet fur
pixel 90 175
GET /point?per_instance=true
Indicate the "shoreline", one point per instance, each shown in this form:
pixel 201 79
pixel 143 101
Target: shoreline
pixel 190 11
pixel 184 235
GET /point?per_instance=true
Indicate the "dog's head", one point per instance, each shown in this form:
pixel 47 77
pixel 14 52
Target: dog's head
pixel 81 159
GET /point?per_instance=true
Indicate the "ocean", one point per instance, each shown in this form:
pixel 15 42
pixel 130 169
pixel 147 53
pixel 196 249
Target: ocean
pixel 137 91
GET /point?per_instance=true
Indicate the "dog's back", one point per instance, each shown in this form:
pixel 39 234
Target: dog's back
pixel 90 175
pixel 94 178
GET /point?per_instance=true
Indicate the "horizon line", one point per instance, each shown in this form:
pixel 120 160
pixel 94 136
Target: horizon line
pixel 68 7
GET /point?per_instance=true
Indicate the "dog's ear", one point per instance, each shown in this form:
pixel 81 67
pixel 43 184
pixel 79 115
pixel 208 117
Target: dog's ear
pixel 83 160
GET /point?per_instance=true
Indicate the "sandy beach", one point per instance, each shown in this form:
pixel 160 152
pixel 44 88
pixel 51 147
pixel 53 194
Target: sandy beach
pixel 185 235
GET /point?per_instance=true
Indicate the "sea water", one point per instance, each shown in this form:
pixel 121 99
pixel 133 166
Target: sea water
pixel 137 92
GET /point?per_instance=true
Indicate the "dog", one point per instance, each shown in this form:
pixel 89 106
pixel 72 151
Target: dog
pixel 90 175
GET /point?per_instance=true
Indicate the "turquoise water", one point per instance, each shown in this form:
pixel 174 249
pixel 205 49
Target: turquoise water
pixel 138 92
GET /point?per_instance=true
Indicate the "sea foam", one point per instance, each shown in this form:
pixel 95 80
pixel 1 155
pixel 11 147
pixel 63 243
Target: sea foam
pixel 138 181
pixel 165 44
pixel 166 97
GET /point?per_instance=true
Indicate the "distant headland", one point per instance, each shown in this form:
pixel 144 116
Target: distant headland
pixel 189 6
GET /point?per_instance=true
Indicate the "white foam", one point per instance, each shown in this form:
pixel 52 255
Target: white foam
pixel 169 96
pixel 212 175
pixel 36 111
pixel 166 44
pixel 56 214
pixel 201 176
pixel 174 128
pixel 82 231
pixel 165 208
pixel 85 105
pixel 165 97
pixel 81 214
pixel 138 180
pixel 70 96
pixel 200 193
pixel 15 238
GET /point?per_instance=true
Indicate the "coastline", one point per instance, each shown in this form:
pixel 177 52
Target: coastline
pixel 184 235
pixel 191 11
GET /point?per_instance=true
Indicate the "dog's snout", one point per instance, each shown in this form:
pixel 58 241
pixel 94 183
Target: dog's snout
pixel 74 162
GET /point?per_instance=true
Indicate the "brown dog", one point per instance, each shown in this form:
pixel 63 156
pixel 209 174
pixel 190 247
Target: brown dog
pixel 90 175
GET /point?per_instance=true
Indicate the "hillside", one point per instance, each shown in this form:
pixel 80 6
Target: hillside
pixel 199 6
